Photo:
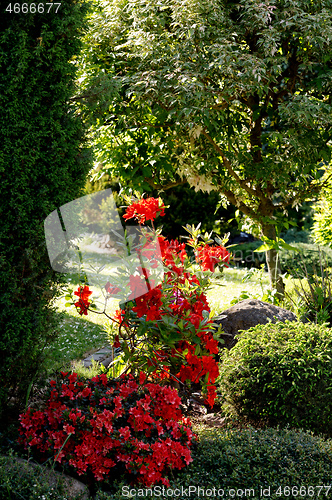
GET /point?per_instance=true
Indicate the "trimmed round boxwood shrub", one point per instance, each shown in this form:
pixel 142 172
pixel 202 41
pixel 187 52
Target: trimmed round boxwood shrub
pixel 280 374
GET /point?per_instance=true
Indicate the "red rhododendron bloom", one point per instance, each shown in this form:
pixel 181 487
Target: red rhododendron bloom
pixel 149 304
pixel 141 433
pixel 83 293
pixel 145 209
pixel 119 316
pixel 138 286
pixel 171 252
pixel 111 289
pixel 208 257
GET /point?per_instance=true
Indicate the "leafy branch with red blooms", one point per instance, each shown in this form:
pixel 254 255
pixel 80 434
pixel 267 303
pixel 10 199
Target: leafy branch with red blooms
pixel 104 429
pixel 167 331
pixel 145 209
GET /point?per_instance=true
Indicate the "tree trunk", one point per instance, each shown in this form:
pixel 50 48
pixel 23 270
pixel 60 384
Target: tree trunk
pixel 273 262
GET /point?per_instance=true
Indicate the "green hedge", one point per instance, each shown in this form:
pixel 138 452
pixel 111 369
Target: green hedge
pixel 309 255
pixel 280 374
pixel 308 258
pixel 43 164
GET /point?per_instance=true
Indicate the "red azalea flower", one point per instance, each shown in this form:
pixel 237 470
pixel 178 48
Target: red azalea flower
pixel 138 286
pixel 119 316
pixel 145 209
pixel 208 257
pixel 84 293
pixel 149 304
pixel 111 289
pixel 83 302
pixel 170 252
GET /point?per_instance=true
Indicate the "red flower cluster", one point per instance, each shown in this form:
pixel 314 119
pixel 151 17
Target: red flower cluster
pixel 83 293
pixel 208 257
pixel 188 309
pixel 119 317
pixel 198 367
pixel 149 304
pixel 95 425
pixel 110 289
pixel 173 254
pixel 145 209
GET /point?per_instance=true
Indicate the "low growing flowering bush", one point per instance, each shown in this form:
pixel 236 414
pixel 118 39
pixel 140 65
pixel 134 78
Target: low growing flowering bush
pixel 104 428
pixel 166 331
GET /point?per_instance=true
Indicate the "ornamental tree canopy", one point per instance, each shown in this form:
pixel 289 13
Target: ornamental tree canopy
pixel 230 96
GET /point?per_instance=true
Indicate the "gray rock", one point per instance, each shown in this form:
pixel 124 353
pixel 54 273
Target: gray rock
pixel 248 313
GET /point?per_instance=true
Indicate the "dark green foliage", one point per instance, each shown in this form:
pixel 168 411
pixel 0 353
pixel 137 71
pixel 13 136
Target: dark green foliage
pixel 20 481
pixel 244 255
pixel 290 261
pixel 281 374
pixel 188 206
pixel 248 460
pixel 292 236
pixel 308 256
pixel 312 293
pixel 43 164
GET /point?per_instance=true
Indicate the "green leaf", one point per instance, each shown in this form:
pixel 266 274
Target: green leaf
pixel 286 246
pixel 264 248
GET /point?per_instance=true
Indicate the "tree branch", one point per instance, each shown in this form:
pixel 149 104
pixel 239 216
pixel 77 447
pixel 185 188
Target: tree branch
pixel 154 125
pixel 240 205
pixel 226 163
pixel 159 187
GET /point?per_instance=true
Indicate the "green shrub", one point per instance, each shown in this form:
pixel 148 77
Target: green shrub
pixel 309 256
pixel 245 256
pixel 311 296
pixel 322 227
pixel 279 374
pixel 43 165
pixel 292 236
pixel 251 459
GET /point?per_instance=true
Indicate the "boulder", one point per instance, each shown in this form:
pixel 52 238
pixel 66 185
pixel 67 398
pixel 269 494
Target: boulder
pixel 248 313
